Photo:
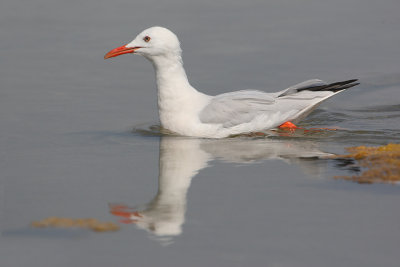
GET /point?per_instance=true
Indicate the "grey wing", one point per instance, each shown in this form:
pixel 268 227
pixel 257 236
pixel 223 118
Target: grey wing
pixel 235 108
pixel 293 103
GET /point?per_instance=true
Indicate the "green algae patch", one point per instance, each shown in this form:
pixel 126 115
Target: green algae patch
pixel 380 164
pixel 86 223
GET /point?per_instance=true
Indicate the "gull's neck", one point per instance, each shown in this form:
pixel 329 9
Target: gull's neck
pixel 171 76
pixel 176 97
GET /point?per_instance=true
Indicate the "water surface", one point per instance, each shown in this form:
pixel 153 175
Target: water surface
pixel 68 147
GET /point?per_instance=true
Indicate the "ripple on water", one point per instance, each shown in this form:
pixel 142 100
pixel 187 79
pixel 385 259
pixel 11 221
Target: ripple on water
pixel 151 129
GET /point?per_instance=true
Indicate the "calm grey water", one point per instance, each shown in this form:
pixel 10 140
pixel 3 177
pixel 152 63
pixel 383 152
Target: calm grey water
pixel 68 148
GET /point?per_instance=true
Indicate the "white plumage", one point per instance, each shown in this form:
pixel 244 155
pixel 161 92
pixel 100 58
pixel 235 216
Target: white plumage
pixel 186 111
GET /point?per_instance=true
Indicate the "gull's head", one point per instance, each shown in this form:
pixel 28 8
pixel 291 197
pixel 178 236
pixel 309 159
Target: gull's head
pixel 152 42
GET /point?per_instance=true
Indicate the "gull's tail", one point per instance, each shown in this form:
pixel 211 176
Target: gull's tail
pixel 319 91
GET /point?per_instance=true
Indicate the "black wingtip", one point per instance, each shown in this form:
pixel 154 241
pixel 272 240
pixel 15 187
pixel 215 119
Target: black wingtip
pixel 350 81
pixel 347 86
pixel 334 87
pixel 339 86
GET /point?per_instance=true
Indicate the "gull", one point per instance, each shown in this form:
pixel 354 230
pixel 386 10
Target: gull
pixel 183 110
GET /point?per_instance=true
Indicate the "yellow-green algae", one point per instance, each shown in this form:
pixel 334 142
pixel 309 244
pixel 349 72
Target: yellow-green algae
pixel 87 223
pixel 382 164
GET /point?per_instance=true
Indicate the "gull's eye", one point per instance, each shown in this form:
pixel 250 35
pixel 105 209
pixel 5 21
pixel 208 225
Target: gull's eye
pixel 147 39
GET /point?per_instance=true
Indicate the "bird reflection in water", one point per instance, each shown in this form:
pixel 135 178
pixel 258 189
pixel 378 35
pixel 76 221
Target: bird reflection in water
pixel 181 158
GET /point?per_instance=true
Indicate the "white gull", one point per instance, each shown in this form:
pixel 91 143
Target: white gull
pixel 186 111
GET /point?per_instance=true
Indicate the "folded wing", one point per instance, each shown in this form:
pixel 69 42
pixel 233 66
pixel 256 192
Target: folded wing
pixel 235 108
pixel 293 103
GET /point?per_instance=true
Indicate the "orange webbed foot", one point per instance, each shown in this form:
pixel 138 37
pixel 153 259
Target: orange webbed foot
pixel 289 125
